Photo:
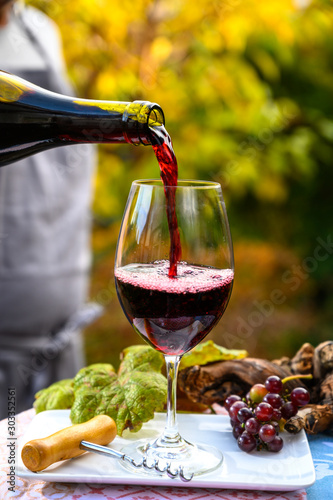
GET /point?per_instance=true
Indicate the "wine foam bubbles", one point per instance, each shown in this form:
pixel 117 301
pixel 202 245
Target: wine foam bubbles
pixel 189 279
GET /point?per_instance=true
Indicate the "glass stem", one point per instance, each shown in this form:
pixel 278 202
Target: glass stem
pixel 171 433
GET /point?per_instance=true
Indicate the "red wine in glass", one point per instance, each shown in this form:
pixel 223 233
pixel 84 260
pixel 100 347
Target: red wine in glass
pixel 173 315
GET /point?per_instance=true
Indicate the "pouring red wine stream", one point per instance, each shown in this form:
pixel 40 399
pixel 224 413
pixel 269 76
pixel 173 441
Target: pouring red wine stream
pixel 167 161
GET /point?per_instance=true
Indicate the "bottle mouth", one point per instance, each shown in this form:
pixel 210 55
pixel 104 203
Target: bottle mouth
pixel 156 116
pixel 141 118
pixel 156 119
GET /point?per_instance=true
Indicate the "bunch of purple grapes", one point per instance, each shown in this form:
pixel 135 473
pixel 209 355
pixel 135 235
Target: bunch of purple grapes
pixel 257 419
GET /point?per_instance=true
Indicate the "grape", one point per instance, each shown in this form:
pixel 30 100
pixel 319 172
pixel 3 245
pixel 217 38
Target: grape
pixel 246 442
pixel 274 400
pixel 231 400
pixel 263 412
pixel 274 384
pixel 233 411
pixel 300 396
pixel 252 426
pixel 288 410
pixel 276 444
pixel 237 430
pixel 257 392
pixel 256 420
pixel 276 415
pixel 276 426
pixel 244 414
pixel 267 433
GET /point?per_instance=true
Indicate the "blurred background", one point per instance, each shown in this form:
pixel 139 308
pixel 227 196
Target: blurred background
pixel 247 92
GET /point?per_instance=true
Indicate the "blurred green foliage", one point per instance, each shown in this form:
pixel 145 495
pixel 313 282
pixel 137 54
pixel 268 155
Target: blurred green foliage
pixel 247 91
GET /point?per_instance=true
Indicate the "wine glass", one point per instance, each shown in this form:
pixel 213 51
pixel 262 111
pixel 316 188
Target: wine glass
pixel 174 313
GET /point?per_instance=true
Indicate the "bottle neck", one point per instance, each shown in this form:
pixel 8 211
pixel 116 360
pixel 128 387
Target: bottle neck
pixel 79 120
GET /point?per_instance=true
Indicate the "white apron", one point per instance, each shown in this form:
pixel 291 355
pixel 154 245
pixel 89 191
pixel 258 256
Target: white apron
pixel 44 234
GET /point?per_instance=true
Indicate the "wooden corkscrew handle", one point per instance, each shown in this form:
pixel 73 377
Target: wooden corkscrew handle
pixel 40 453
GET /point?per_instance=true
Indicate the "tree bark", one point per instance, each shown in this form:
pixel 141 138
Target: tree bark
pixel 214 382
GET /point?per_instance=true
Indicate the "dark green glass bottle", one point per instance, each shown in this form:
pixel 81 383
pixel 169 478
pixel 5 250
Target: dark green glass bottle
pixel 33 119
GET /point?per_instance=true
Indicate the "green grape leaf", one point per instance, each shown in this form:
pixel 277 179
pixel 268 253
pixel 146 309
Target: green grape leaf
pixel 209 352
pixel 142 358
pixel 58 396
pixel 130 397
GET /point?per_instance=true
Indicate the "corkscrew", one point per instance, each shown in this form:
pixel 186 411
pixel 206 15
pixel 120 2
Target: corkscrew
pixel 70 442
pixel 154 466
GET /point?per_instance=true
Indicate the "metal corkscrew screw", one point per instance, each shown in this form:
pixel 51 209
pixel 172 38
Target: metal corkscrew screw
pixel 104 450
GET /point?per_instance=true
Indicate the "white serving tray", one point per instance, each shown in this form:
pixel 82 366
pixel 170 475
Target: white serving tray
pixel 290 469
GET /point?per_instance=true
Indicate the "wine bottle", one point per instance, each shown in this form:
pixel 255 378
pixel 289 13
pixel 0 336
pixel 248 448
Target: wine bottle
pixel 33 119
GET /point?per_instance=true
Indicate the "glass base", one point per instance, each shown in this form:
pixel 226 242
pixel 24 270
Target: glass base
pixel 195 459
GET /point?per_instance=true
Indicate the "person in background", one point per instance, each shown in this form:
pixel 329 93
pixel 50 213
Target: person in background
pixel 44 229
